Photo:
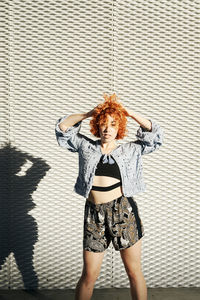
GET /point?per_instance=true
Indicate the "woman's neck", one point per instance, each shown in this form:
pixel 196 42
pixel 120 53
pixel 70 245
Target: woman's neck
pixel 108 146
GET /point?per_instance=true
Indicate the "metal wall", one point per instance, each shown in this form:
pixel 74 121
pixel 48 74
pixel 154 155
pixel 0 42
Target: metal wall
pixel 59 57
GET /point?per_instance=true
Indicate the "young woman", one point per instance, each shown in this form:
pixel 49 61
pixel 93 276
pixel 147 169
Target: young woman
pixel 109 176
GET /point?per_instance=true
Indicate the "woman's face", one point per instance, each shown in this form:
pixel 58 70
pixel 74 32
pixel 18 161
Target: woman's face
pixel 108 130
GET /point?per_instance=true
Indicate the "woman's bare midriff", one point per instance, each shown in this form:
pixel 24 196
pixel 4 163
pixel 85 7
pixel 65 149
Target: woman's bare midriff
pixel 98 197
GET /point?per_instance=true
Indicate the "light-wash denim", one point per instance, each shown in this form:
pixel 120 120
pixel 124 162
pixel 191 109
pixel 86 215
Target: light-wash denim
pixel 127 155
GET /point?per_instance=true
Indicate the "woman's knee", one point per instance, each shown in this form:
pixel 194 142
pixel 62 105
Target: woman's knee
pixel 90 276
pixel 92 265
pixel 134 272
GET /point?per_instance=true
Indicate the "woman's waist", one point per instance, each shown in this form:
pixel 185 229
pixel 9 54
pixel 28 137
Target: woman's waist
pixel 98 197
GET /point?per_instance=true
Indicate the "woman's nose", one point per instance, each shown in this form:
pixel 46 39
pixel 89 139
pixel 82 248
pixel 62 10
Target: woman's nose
pixel 107 126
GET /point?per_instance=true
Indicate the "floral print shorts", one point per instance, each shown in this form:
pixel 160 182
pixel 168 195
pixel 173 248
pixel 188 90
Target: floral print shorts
pixel 117 221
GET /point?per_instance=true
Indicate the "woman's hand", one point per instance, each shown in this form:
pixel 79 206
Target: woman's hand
pixel 90 113
pixel 129 112
pixel 126 111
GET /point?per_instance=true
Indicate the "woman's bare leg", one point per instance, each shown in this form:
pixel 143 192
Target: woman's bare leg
pixel 91 269
pixel 131 258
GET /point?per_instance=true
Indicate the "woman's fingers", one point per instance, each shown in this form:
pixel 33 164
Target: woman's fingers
pixel 125 110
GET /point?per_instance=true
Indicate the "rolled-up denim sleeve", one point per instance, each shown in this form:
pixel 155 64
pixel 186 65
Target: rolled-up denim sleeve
pixel 70 139
pixel 149 141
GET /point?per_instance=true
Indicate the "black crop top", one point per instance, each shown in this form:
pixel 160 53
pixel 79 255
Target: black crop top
pixel 107 166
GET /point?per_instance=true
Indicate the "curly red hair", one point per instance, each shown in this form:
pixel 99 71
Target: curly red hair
pixel 113 108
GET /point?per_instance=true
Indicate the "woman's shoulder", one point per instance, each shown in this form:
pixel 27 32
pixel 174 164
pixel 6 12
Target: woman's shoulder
pixel 88 143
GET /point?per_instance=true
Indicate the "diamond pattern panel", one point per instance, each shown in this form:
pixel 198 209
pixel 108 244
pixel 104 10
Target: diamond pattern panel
pixel 59 57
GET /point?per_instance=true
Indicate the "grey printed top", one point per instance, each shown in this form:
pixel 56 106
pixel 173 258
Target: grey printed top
pixel 127 155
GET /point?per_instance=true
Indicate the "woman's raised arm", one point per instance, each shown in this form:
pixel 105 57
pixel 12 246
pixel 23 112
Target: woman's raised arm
pixel 73 119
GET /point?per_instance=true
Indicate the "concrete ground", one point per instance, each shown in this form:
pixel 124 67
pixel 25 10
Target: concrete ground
pixel 105 294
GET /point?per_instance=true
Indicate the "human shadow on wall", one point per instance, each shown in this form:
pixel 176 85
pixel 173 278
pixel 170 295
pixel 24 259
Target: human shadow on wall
pixel 18 229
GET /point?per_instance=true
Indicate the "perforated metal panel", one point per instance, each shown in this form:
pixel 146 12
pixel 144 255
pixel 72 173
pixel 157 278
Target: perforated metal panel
pixel 60 57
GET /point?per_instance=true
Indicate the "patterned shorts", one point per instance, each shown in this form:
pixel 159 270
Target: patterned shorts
pixel 117 221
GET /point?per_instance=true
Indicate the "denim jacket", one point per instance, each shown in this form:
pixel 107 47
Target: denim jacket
pixel 127 155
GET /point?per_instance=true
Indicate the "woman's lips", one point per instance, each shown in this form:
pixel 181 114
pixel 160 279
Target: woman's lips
pixel 106 134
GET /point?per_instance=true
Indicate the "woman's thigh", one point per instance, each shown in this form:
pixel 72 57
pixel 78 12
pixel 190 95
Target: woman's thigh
pixel 131 257
pixel 92 262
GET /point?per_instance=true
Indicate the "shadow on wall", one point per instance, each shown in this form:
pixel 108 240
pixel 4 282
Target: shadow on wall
pixel 18 229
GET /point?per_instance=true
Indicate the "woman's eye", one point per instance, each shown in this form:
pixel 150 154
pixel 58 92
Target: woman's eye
pixel 113 124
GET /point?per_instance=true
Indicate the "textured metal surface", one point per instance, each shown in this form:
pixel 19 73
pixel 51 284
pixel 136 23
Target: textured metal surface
pixel 59 57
